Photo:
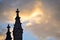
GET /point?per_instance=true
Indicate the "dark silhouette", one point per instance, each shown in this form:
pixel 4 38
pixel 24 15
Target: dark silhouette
pixel 17 30
pixel 8 34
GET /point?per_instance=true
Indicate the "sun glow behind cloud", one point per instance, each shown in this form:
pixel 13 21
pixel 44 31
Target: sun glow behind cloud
pixel 41 16
pixel 25 15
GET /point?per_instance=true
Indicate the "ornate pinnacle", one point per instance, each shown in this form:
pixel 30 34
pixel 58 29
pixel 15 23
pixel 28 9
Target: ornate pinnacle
pixel 8 26
pixel 17 12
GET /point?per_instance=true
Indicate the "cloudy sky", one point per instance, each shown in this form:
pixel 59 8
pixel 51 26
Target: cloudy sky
pixel 40 18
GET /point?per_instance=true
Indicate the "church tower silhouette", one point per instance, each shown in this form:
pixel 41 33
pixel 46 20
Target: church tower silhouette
pixel 17 30
pixel 8 34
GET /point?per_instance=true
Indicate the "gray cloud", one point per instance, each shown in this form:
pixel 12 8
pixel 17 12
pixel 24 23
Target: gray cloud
pixel 7 5
pixel 52 28
pixel 51 7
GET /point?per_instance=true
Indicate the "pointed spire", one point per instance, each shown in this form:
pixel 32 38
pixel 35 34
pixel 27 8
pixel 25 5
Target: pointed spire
pixel 17 30
pixel 8 27
pixel 8 34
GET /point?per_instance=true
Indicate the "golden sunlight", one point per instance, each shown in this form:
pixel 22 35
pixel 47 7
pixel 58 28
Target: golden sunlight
pixel 36 14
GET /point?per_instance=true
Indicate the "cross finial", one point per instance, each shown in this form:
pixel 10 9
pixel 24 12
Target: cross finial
pixel 8 26
pixel 17 10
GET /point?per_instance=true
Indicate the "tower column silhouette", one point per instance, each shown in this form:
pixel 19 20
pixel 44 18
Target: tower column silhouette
pixel 8 34
pixel 17 30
